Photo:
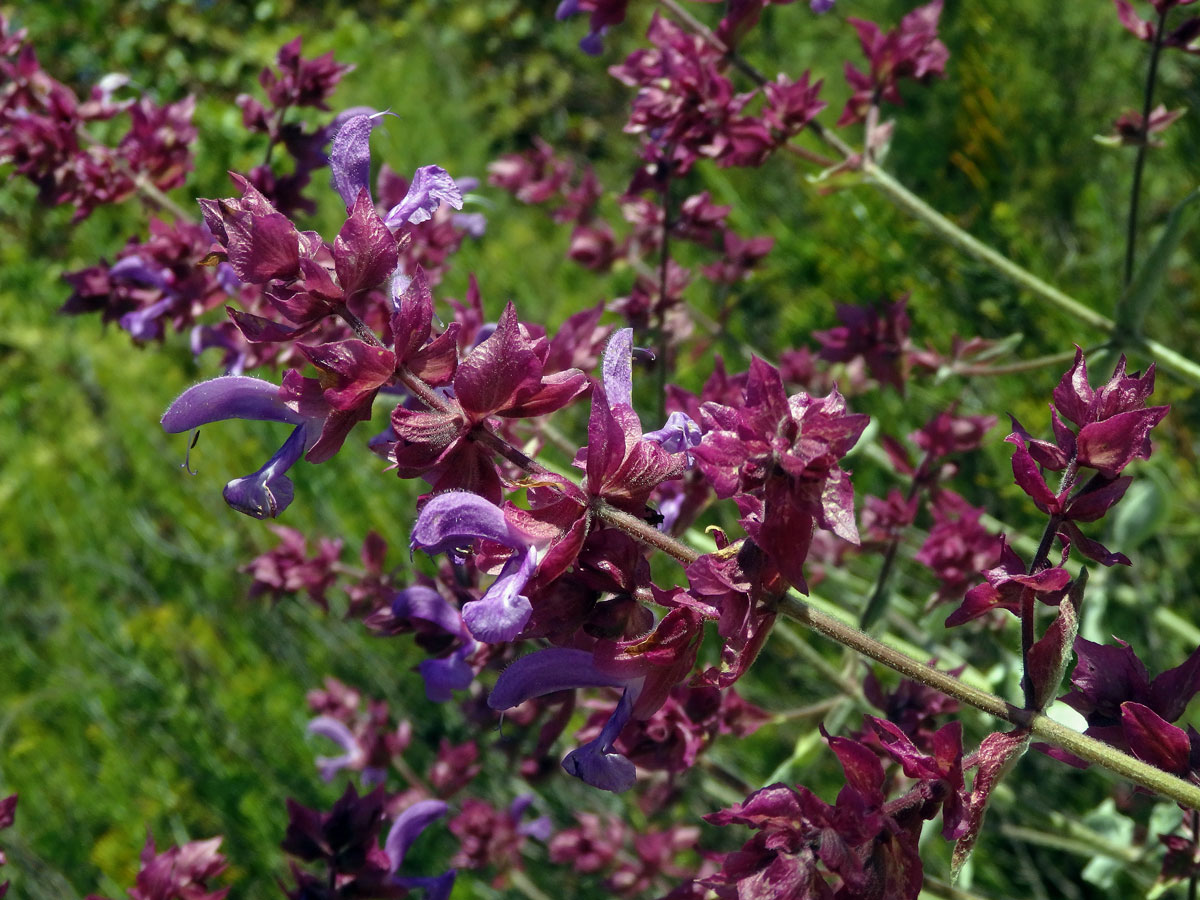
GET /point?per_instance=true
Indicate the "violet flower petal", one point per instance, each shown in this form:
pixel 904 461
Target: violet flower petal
pixel 135 269
pixel 268 492
pixel 407 827
pixel 437 887
pixel 596 763
pixel 336 731
pixel 473 223
pixel 455 519
pixel 430 187
pixel 593 43
pixel 228 397
pixel 680 433
pixel 540 828
pixel 143 324
pixel 444 676
pixel 617 368
pixel 517 808
pixel 501 613
pixel 420 602
pixel 546 671
pixel 350 158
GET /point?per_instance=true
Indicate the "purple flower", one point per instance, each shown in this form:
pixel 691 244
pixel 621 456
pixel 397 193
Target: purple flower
pixel 454 520
pixel 267 492
pixel 350 161
pixel 353 753
pixel 430 187
pixel 407 827
pixel 561 669
pixel 680 433
pixel 447 674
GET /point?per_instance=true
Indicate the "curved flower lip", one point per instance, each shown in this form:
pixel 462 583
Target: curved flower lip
pixel 407 827
pixel 455 519
pixel 546 671
pixel 228 397
pixel 559 669
pixel 501 613
pixel 596 763
pixel 336 731
pixel 268 492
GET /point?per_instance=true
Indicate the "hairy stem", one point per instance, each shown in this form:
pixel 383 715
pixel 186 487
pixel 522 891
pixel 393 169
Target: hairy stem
pixel 1040 725
pixel 1139 164
pixel 959 238
pixel 1167 359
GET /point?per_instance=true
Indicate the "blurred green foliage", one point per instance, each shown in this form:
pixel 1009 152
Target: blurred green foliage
pixel 139 687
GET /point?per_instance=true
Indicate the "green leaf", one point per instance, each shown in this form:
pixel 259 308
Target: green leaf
pixel 1141 512
pixel 1134 303
pixel 1116 828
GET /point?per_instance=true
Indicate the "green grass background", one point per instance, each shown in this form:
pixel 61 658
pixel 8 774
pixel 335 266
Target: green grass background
pixel 140 687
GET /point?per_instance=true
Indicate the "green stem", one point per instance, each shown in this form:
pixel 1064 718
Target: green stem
pixel 1040 725
pixel 1024 365
pixel 956 236
pixel 1071 845
pixel 522 883
pixel 1135 193
pixel 1166 358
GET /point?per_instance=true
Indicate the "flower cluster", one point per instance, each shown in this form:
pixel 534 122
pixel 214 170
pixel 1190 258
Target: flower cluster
pixel 297 83
pixel 169 280
pixel 778 457
pixel 344 843
pixel 911 50
pixel 548 577
pixel 181 873
pixel 689 110
pixel 862 845
pixel 1114 427
pixel 540 177
pixel 1124 707
pixel 43 134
